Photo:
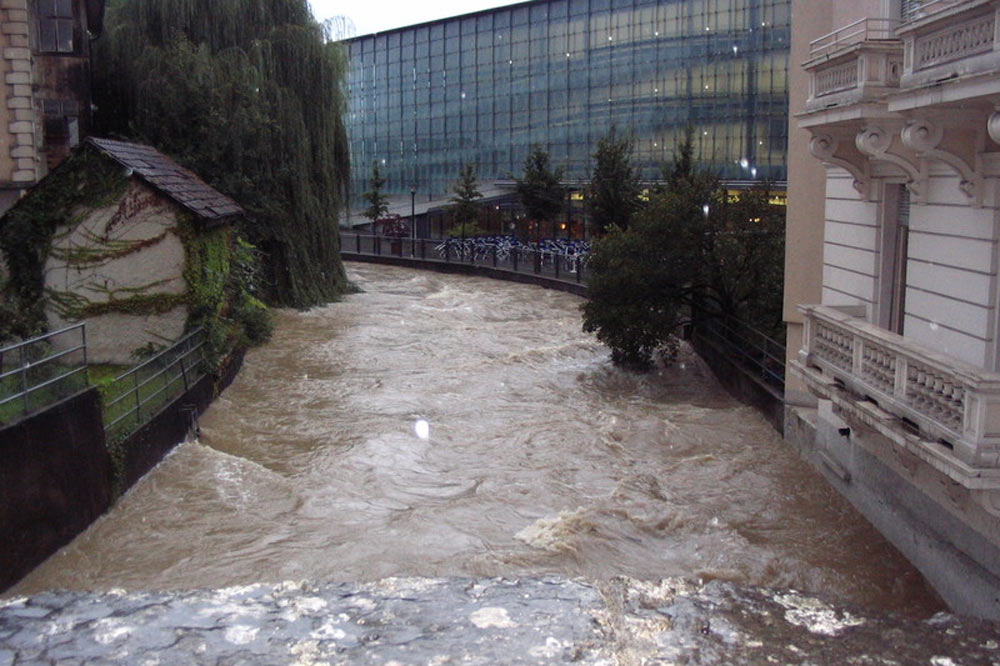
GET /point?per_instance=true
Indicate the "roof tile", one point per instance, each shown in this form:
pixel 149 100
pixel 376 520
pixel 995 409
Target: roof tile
pixel 171 179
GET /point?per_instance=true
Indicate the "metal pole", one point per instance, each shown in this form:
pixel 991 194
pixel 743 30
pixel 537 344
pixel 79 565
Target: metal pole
pixel 135 382
pixel 24 377
pixel 413 210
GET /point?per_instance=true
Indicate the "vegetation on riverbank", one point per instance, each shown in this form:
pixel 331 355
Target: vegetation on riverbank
pixel 691 250
pixel 250 97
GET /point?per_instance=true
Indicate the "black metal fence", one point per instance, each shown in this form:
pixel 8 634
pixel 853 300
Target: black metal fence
pixel 553 258
pixel 138 394
pixel 760 355
pixel 41 371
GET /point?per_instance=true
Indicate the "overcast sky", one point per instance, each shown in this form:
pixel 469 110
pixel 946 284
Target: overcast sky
pixel 378 15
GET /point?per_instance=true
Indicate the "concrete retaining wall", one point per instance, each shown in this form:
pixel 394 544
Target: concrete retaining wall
pixel 56 474
pixel 928 517
pixel 171 425
pixel 55 479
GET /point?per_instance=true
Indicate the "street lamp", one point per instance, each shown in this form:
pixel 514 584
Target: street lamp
pixel 413 208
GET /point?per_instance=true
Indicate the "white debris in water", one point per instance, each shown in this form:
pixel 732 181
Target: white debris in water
pixel 492 616
pixel 108 630
pixel 16 601
pixel 422 429
pixel 943 661
pixel 241 634
pixel 815 615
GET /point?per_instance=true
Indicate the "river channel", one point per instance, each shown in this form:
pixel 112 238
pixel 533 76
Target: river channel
pixel 440 425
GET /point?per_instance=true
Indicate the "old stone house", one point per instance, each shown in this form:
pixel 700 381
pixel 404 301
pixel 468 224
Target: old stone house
pixel 134 243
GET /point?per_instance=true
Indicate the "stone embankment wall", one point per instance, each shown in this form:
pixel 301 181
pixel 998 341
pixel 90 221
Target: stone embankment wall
pixel 57 477
pixel 487 621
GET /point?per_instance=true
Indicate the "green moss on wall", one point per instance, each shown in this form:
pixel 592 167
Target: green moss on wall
pixel 83 183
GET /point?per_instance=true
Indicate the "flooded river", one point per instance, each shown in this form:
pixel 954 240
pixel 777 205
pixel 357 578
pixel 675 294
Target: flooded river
pixel 438 426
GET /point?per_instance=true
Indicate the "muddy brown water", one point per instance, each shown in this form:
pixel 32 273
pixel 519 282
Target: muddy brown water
pixel 453 426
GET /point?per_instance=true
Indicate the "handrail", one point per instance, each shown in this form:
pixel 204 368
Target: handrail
pixel 764 356
pixel 862 30
pixel 46 379
pixel 175 373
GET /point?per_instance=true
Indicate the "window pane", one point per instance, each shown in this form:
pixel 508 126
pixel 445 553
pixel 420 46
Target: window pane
pixel 47 35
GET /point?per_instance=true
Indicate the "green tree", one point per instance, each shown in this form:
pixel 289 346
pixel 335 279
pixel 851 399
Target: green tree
pixel 378 203
pixel 465 204
pixel 539 187
pixel 614 190
pixel 249 95
pixel 691 247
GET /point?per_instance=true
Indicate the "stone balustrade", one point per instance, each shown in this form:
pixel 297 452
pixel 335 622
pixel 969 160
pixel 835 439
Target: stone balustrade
pixel 951 39
pixel 949 405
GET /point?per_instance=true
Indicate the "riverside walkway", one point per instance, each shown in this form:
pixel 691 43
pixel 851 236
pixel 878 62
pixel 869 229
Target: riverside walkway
pixel 545 267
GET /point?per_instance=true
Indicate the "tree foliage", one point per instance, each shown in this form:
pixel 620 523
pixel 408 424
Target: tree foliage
pixel 378 203
pixel 613 193
pixel 539 187
pixel 691 247
pixel 249 95
pixel 465 203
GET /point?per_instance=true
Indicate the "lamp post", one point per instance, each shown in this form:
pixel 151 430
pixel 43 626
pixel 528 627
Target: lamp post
pixel 413 209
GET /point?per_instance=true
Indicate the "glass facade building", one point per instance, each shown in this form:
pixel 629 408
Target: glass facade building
pixel 483 87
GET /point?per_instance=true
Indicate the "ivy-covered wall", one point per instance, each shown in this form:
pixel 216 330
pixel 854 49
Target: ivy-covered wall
pixel 93 243
pixel 121 269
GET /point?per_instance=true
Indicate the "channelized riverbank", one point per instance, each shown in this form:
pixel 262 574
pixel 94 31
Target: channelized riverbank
pixel 440 426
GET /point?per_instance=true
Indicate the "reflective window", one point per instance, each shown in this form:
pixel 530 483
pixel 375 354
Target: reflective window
pixel 482 88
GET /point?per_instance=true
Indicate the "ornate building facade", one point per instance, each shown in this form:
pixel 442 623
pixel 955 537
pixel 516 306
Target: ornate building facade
pixel 892 280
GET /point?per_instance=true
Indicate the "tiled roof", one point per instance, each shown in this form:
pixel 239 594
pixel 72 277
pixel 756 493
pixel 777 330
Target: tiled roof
pixel 168 177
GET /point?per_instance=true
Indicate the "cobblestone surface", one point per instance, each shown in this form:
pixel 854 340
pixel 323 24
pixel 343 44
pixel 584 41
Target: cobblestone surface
pixel 492 621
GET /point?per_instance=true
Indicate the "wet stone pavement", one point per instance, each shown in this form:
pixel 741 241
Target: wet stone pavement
pixel 543 620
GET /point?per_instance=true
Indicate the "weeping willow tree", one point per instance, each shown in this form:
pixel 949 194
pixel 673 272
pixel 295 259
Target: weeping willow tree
pixel 248 94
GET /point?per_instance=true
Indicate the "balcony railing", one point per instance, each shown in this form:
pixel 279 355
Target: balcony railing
pixel 948 38
pixel 860 62
pixel 863 30
pixel 952 404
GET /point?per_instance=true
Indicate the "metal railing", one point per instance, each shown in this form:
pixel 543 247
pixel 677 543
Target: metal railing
pixel 762 356
pixel 861 30
pixel 524 259
pixel 137 395
pixel 38 372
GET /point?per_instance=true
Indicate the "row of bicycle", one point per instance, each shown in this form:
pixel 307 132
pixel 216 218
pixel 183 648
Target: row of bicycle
pixel 481 248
